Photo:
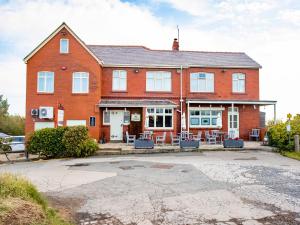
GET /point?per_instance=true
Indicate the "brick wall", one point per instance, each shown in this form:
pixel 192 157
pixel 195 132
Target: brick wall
pixel 77 106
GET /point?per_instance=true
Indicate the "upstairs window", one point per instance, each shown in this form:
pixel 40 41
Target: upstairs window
pixel 119 82
pixel 80 82
pixel 202 82
pixel 45 82
pixel 238 82
pixel 158 81
pixel 64 46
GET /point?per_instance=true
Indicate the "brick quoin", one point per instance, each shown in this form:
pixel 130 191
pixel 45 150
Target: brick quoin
pixel 82 106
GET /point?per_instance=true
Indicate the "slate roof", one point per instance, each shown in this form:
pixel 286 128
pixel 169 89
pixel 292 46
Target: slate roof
pixel 140 56
pixel 135 103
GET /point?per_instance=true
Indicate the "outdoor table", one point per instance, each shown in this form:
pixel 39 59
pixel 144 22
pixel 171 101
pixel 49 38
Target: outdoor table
pixel 186 135
pixel 146 135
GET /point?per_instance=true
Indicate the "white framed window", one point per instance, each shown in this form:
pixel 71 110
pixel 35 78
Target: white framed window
pixel 158 81
pixel 106 117
pixel 64 46
pixel 238 82
pixel 80 82
pixel 126 118
pixel 208 118
pixel 202 82
pixel 159 118
pixel 45 82
pixel 42 125
pixel 71 123
pixel 119 81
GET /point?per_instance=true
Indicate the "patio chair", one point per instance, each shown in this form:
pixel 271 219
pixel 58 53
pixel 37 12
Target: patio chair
pixel 130 138
pixel 175 139
pixel 198 137
pixel 254 134
pixel 210 138
pixel 161 139
pixel 148 135
pixel 185 135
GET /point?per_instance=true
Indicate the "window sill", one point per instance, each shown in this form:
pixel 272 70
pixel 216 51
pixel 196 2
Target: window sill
pixel 80 93
pixel 238 93
pixel 160 92
pixel 159 128
pixel 116 91
pixel 205 127
pixel 45 93
pixel 200 92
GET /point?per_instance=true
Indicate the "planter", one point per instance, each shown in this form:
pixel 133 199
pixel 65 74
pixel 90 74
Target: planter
pixel 189 144
pixel 141 143
pixel 231 143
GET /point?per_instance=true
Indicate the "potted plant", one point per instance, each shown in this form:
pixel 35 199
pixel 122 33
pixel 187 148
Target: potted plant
pixel 143 143
pixel 233 143
pixel 189 143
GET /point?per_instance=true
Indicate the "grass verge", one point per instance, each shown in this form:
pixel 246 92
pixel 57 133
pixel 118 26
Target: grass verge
pixel 292 155
pixel 21 203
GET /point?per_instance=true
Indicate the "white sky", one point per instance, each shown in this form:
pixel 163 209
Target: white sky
pixel 267 30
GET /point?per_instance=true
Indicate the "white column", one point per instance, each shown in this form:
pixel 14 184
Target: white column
pixel 232 112
pixel 188 117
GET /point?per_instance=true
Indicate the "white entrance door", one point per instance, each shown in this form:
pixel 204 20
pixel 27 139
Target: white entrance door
pixel 116 125
pixel 233 122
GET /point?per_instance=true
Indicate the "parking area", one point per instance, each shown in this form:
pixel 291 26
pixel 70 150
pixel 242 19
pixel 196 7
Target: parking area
pixel 243 187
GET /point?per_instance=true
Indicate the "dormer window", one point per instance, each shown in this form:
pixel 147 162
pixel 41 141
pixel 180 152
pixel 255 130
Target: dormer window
pixel 64 46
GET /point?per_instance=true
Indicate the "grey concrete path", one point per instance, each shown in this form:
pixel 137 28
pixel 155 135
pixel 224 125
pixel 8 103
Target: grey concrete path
pixel 245 187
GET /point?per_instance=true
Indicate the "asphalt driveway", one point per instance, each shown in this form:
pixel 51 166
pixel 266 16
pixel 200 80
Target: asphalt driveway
pixel 245 187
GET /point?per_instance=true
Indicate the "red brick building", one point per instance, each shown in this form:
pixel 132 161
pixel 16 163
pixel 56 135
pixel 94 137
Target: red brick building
pixel 112 89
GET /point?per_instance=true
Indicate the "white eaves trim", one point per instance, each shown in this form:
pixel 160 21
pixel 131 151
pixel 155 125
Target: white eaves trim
pixel 63 25
pixel 244 102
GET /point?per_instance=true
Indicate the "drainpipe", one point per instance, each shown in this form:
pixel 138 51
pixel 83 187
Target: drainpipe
pixel 181 100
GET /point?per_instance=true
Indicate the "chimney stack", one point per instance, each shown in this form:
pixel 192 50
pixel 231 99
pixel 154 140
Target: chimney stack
pixel 175 46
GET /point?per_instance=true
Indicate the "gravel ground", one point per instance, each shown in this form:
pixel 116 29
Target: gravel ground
pixel 246 187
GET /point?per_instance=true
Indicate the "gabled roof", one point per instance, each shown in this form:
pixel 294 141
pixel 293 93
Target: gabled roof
pixel 140 56
pixel 63 25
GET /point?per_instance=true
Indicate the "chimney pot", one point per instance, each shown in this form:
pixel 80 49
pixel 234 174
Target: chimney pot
pixel 175 46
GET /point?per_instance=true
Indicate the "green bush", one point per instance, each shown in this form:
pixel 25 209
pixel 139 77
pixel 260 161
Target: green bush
pixel 73 140
pixel 279 137
pixel 47 142
pixel 62 142
pixel 88 147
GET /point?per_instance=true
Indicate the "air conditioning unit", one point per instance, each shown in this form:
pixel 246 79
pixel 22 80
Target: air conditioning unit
pixel 46 112
pixel 34 112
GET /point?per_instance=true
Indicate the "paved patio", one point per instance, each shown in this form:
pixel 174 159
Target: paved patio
pixel 223 187
pixel 123 148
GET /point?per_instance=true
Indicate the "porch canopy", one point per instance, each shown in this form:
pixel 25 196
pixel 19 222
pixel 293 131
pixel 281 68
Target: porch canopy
pixel 127 103
pixel 238 102
pixel 232 103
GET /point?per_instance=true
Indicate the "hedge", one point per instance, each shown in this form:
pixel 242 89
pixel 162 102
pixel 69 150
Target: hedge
pixel 62 142
pixel 279 137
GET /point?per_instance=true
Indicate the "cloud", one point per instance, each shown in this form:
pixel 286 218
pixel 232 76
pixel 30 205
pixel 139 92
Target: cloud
pixel 290 16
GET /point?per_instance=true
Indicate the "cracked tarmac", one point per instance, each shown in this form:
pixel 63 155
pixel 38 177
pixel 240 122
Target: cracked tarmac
pixel 249 187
